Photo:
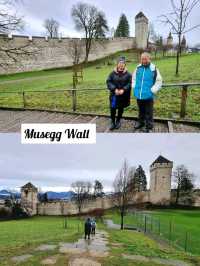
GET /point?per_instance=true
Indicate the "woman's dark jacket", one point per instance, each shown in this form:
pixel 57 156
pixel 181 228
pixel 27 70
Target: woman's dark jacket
pixel 119 80
pixel 88 227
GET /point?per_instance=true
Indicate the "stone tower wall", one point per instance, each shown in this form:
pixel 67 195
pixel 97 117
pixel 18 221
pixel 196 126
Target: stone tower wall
pixel 141 32
pixel 29 200
pixel 160 183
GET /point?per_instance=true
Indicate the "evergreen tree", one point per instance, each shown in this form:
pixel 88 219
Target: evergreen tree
pixel 98 188
pixel 184 181
pixel 123 29
pixel 140 180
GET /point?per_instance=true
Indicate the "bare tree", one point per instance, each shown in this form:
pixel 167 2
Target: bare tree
pixel 52 27
pixel 122 190
pixel 10 22
pixel 75 51
pixel 183 181
pixel 82 192
pixel 91 21
pixel 178 20
pixel 152 34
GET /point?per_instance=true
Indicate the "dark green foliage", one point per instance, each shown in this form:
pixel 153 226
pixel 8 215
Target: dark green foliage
pixel 123 29
pixel 98 188
pixel 138 181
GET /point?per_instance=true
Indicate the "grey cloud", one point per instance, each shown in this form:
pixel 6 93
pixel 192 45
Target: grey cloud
pixel 36 11
pixel 60 165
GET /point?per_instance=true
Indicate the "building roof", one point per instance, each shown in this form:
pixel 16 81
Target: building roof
pixel 29 186
pixel 141 15
pixel 161 159
pixel 170 36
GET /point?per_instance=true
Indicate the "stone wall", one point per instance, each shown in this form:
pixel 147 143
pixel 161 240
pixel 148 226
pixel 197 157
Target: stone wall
pixel 54 53
pixel 70 208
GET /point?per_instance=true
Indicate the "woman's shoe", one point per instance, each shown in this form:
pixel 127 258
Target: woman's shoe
pixel 118 124
pixel 112 126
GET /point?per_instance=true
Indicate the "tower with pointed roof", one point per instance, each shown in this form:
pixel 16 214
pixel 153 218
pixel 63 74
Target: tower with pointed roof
pixel 29 198
pixel 160 181
pixel 141 30
pixel 170 40
pixel 183 43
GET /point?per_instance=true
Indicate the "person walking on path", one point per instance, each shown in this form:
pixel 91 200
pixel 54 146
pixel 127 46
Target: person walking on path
pixel 147 81
pixel 87 228
pixel 93 225
pixel 119 85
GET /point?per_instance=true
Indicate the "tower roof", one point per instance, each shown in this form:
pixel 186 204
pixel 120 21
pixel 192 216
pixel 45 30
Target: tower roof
pixel 161 159
pixel 29 185
pixel 141 15
pixel 170 36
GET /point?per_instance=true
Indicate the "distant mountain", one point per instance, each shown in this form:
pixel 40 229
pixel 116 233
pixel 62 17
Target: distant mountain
pixel 51 195
pixel 60 195
pixel 5 194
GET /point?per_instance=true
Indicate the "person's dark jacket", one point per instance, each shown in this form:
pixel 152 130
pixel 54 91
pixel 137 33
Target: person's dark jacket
pixel 119 80
pixel 88 227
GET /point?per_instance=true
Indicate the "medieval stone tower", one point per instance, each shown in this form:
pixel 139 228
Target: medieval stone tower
pixel 170 40
pixel 141 30
pixel 160 181
pixel 29 198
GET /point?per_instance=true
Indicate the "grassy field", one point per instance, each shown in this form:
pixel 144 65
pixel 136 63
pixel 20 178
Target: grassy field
pixel 23 236
pixel 167 102
pixel 176 226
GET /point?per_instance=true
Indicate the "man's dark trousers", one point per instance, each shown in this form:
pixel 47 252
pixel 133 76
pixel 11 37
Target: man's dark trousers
pixel 146 112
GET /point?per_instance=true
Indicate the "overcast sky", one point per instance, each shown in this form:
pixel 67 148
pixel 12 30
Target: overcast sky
pixel 55 167
pixel 35 12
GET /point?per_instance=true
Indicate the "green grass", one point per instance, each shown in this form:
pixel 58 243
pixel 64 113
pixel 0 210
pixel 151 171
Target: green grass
pixel 171 225
pixel 167 102
pixel 20 237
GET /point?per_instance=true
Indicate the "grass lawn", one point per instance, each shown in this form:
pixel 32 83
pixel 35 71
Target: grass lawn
pixel 167 102
pixel 134 243
pixel 19 235
pixel 23 236
pixel 178 226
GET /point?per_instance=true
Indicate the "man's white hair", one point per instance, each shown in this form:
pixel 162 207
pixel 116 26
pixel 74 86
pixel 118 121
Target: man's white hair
pixel 145 54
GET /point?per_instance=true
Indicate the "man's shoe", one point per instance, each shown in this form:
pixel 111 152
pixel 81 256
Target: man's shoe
pixel 118 124
pixel 148 130
pixel 138 125
pixel 112 126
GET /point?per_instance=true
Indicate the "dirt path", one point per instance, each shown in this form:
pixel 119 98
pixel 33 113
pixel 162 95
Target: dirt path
pixel 90 252
pixel 80 253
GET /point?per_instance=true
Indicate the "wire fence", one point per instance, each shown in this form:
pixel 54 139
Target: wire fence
pixel 168 230
pixel 174 101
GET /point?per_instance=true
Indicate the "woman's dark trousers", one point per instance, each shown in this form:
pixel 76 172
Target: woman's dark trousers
pixel 119 115
pixel 146 112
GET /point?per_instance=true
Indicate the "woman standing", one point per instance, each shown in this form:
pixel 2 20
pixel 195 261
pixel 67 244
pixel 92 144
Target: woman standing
pixel 119 84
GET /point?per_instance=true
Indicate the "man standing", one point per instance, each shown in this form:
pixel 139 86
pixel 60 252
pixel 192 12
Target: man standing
pixel 87 228
pixel 147 81
pixel 93 225
pixel 119 85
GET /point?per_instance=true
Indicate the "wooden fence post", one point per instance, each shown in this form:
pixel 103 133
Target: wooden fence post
pixel 186 241
pixel 170 232
pixel 74 98
pixel 145 223
pixel 159 227
pixel 24 100
pixel 183 101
